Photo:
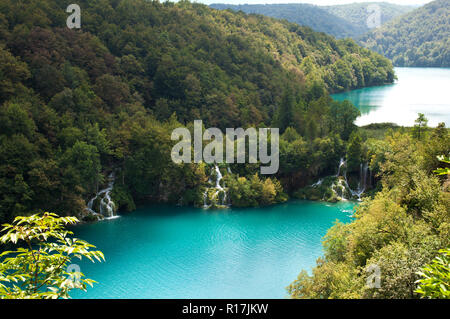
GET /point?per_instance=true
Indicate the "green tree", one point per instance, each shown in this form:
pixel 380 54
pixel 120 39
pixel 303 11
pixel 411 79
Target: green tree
pixel 84 160
pixel 286 109
pixel 420 126
pixel 343 116
pixel 354 152
pixel 38 269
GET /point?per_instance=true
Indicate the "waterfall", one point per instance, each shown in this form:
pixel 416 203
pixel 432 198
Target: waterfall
pixel 362 184
pixel 106 204
pixel 363 168
pixel 362 179
pixel 318 183
pixel 341 186
pixel 355 193
pixel 205 198
pixel 219 177
pixel 341 163
pixel 217 190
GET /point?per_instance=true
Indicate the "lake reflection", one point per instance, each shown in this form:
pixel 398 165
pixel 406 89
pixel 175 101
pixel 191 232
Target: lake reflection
pixel 417 90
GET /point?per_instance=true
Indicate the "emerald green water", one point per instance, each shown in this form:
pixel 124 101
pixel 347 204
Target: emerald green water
pixel 417 90
pixel 183 252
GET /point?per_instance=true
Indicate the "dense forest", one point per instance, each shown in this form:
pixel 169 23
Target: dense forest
pixel 78 105
pixel 359 13
pixel 419 38
pixel 340 21
pixel 398 229
pixel 304 14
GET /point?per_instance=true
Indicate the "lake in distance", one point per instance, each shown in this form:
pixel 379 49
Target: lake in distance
pixel 163 251
pixel 417 90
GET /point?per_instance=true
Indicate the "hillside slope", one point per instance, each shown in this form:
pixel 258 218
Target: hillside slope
pixel 340 21
pixel 77 105
pixel 420 38
pixel 358 13
pixel 303 14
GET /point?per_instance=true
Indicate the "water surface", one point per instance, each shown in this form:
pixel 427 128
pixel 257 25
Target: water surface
pixel 183 252
pixel 417 90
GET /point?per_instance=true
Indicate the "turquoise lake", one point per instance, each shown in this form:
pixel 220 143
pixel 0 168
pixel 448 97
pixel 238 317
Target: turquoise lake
pixel 163 251
pixel 417 90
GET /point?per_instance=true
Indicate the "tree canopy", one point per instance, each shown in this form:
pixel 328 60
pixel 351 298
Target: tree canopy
pixel 419 38
pixel 402 230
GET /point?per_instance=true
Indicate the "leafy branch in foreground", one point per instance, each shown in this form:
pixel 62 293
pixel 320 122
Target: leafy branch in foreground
pixel 435 281
pixel 38 268
pixel 443 171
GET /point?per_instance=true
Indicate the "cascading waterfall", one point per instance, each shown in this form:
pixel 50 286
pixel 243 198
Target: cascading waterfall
pixel 318 183
pixel 340 186
pixel 219 177
pixel 364 171
pixel 341 163
pixel 106 204
pixel 363 168
pixel 218 189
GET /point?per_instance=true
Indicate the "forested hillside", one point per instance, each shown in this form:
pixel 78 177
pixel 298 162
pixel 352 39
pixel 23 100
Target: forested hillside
pixel 303 14
pixel 340 21
pixel 77 105
pixel 420 38
pixel 359 13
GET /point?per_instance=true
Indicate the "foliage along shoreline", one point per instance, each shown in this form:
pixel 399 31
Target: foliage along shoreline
pixel 402 230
